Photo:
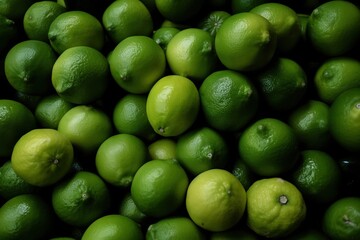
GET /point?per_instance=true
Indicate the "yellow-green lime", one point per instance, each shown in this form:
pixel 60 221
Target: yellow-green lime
pixel 76 28
pixel 202 149
pixel 26 216
pixel 245 42
pixel 119 157
pixel 341 219
pixel 229 100
pixel 216 200
pixel 159 187
pixel 175 228
pixel 163 35
pixel 179 11
pixel 172 105
pixel 42 156
pixel 80 199
pixel 125 18
pixel 191 53
pixel 50 110
pixel 11 184
pixel 282 83
pixel 128 208
pixel 275 207
pixel 284 20
pixel 113 227
pixel 80 75
pixel 310 122
pixel 163 148
pixel 87 127
pixel 333 27
pixel 269 147
pixel 28 67
pixel 336 75
pixel 344 119
pixel 317 176
pixel 15 120
pixel 129 116
pixel 38 17
pixel 136 63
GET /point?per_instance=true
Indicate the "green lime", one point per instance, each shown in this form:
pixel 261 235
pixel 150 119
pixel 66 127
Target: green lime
pixel 202 149
pixel 163 148
pixel 128 208
pixel 229 100
pixel 28 67
pixel 15 120
pixel 81 199
pixel 175 228
pixel 119 157
pixel 26 216
pixel 136 63
pixel 159 187
pixel 113 227
pixel 341 219
pixel 11 185
pixel 269 147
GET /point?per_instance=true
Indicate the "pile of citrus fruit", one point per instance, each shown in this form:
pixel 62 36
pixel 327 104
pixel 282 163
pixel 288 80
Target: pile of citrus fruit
pixel 166 119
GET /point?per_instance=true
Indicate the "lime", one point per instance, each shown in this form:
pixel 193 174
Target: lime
pixel 202 149
pixel 125 18
pixel 163 148
pixel 80 199
pixel 76 28
pixel 113 227
pixel 212 22
pixel 191 53
pixel 282 84
pixel 215 200
pixel 11 185
pixel 50 110
pixel 128 208
pixel 344 120
pixel 87 127
pixel 269 147
pixel 341 219
pixel 163 35
pixel 42 156
pixel 229 100
pixel 38 17
pixel 275 207
pixel 172 105
pixel 285 21
pixel 335 75
pixel 136 63
pixel 159 187
pixel 26 216
pixel 179 11
pixel 245 42
pixel 28 67
pixel 119 157
pixel 15 120
pixel 175 228
pixel 332 27
pixel 129 116
pixel 317 176
pixel 80 75
pixel 310 122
